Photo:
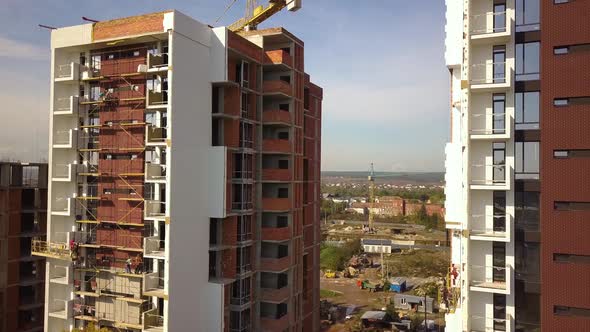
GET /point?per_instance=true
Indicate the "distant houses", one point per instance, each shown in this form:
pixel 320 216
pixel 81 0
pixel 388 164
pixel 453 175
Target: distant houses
pixel 395 206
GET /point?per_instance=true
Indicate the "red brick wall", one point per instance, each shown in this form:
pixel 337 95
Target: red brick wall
pixel 244 47
pixel 128 26
pixel 564 179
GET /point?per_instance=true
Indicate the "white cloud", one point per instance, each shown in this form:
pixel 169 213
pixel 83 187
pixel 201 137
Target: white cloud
pixel 22 50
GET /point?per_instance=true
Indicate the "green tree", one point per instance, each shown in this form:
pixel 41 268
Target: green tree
pixel 429 289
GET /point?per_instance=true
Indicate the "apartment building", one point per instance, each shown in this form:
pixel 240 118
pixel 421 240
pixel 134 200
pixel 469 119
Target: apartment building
pixel 23 215
pixel 516 165
pixel 184 178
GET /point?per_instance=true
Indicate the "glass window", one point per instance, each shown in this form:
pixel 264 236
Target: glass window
pixel 527 110
pixel 527 159
pixel 527 15
pixel 527 61
pixel 499 113
pixel 499 70
pixel 500 18
pixel 526 206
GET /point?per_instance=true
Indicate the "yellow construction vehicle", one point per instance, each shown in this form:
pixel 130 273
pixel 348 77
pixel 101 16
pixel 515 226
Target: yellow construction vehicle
pixel 256 14
pixel 330 274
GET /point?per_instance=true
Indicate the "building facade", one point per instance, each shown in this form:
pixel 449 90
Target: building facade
pixel 23 215
pixel 516 165
pixel 184 183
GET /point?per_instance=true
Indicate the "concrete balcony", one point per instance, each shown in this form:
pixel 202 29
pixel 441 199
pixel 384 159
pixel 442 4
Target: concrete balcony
pixel 157 99
pixel 275 295
pixel 279 58
pixel 277 87
pixel 152 322
pixel 482 323
pixel 490 126
pixel 67 73
pixel 490 177
pixel 66 106
pixel 63 139
pixel 490 28
pixel 153 247
pixel 62 309
pixel 276 175
pixel 490 77
pixel 156 136
pixel 153 285
pixel 490 279
pixel 276 204
pixel 482 228
pixel 60 274
pixel 157 62
pixel 275 264
pixel 276 117
pixel 63 172
pixel 154 210
pixel 155 173
pixel 61 206
pixel 278 146
pixel 276 233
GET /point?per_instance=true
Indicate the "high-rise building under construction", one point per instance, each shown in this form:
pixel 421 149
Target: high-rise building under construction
pixel 517 200
pixel 183 178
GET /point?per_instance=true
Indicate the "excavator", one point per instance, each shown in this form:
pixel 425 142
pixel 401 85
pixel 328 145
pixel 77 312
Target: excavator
pixel 256 14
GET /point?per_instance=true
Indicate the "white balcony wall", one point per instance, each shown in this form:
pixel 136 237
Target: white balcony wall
pixel 454 32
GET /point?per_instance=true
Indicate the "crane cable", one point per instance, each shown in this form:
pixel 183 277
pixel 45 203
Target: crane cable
pixel 228 7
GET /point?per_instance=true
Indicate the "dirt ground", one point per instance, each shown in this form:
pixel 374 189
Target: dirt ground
pixel 352 295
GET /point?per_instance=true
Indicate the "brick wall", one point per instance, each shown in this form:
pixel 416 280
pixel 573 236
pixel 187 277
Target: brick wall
pixel 129 26
pixel 564 179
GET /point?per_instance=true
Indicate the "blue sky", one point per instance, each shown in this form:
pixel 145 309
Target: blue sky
pixel 380 63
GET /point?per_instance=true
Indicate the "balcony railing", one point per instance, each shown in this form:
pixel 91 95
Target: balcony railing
pixel 490 324
pixel 276 116
pixel 483 226
pixel 63 172
pixel 278 87
pixel 62 139
pixel 488 23
pixel 154 209
pixel 276 145
pixel 490 73
pixel 276 204
pixel 156 99
pixel 61 309
pixel 278 57
pixel 67 72
pixel 60 274
pixel 489 124
pixel 155 172
pixel 66 105
pixel 153 285
pixel 489 175
pixel 276 174
pixel 152 321
pixel 154 247
pixel 157 61
pixel 490 277
pixel 61 206
pixel 156 135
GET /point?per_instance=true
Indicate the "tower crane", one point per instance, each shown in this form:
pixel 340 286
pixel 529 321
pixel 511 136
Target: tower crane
pixel 371 179
pixel 256 14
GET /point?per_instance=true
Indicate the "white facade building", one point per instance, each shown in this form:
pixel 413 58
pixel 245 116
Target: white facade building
pixel 186 172
pixel 479 164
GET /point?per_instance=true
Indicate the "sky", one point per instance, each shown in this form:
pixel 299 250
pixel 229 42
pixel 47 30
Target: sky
pixel 381 64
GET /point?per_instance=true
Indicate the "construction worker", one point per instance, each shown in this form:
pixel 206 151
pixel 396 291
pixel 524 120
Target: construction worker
pixel 138 264
pixel 128 265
